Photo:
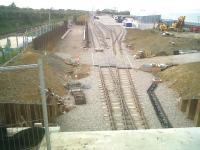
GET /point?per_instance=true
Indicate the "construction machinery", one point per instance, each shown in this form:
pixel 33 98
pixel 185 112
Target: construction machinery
pixel 176 26
pixel 162 26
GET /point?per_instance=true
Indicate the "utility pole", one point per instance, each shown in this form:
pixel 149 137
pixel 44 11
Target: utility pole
pixel 49 19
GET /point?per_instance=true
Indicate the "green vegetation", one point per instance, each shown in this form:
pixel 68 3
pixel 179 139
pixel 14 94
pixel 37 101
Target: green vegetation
pixel 8 55
pixel 184 79
pixel 80 20
pixel 113 12
pixel 14 19
pixel 8 52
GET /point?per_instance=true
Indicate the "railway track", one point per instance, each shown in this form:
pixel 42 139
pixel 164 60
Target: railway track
pixel 93 34
pixel 100 35
pixel 122 107
pixel 131 98
pixel 128 120
pixel 118 40
pixel 111 34
pixel 107 29
pixel 111 99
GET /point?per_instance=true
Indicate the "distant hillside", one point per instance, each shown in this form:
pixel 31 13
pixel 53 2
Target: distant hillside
pixel 14 19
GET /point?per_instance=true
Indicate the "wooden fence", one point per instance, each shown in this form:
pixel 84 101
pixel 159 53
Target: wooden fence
pixel 19 114
pixel 47 40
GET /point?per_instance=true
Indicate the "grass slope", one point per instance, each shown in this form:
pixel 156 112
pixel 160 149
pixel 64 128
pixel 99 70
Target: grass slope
pixel 24 85
pixel 184 79
pixel 150 40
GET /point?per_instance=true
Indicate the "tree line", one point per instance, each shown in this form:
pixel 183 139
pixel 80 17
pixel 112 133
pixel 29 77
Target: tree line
pixel 15 19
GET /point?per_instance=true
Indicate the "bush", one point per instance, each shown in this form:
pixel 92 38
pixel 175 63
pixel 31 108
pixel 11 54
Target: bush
pixel 80 20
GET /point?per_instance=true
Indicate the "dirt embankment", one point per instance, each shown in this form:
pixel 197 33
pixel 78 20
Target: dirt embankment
pixel 24 85
pixel 157 44
pixel 184 79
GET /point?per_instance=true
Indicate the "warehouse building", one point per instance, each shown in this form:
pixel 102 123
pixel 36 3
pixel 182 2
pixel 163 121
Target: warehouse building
pixel 148 18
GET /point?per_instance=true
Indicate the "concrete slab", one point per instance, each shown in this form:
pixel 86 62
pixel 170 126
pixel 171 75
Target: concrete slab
pixel 154 139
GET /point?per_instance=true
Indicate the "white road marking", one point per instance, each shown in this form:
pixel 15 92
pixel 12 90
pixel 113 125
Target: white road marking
pixel 92 59
pixel 129 60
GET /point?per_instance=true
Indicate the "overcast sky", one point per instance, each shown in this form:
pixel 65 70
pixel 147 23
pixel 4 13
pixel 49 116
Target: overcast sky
pixel 132 5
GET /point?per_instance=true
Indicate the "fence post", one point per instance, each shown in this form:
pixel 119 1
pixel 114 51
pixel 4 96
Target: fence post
pixel 23 43
pixel 17 41
pixel 44 105
pixel 26 38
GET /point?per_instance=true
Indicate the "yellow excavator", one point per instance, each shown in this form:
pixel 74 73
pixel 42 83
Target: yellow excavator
pixel 162 26
pixel 177 25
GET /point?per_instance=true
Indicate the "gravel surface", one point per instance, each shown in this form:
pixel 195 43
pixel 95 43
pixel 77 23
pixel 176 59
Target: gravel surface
pixel 107 20
pixel 87 117
pixel 73 46
pixel 91 116
pixel 169 101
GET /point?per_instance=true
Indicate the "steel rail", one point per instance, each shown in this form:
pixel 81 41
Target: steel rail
pixel 128 115
pixel 120 97
pixel 108 101
pixel 136 99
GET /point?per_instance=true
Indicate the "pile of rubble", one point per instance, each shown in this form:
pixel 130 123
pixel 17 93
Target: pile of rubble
pixel 76 90
pixel 153 67
pixel 62 102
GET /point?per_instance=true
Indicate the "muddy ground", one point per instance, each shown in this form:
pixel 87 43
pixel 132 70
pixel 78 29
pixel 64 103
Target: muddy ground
pixel 152 41
pixel 184 79
pixel 23 86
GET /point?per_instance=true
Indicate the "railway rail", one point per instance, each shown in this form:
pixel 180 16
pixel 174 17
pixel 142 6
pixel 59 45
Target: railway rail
pixel 100 35
pixel 118 40
pixel 122 105
pixel 119 94
pixel 128 120
pixel 123 109
pixel 111 99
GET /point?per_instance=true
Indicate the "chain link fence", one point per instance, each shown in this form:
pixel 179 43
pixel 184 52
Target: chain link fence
pixel 23 110
pixel 12 45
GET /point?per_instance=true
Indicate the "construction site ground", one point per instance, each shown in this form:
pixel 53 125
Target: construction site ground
pixel 157 44
pixel 23 86
pixel 85 117
pixel 184 79
pixel 91 115
pixel 82 117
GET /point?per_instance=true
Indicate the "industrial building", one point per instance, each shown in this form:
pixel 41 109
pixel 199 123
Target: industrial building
pixel 148 18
